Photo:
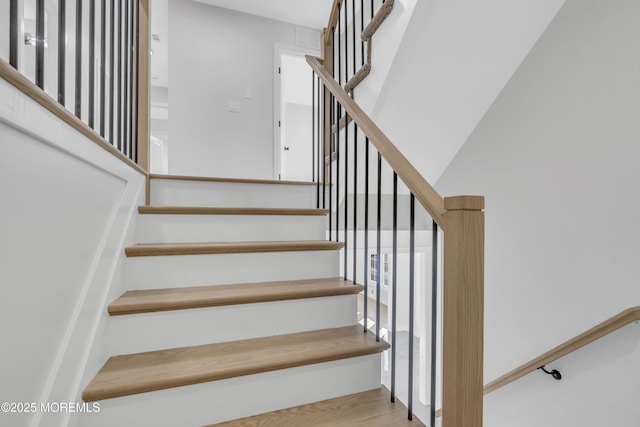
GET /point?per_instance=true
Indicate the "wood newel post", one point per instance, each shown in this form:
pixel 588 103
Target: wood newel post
pixel 144 99
pixel 463 312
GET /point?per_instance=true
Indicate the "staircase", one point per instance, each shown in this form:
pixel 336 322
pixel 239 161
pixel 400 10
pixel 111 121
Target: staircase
pixel 233 309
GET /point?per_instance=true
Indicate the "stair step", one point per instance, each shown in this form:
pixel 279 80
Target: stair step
pixel 171 190
pixel 234 180
pixel 157 370
pixel 203 210
pixel 146 301
pixel 159 249
pixel 167 224
pixel 371 408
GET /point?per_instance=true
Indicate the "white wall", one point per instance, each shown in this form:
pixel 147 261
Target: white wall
pixel 66 207
pixel 384 48
pixel 214 55
pixel 556 156
pixel 4 31
pixel 455 57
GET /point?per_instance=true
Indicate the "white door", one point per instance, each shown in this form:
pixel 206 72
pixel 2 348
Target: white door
pixel 296 139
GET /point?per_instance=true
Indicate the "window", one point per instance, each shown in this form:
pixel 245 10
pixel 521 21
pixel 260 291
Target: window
pixel 386 269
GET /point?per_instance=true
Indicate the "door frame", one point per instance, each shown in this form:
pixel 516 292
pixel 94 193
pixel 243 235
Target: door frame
pixel 278 50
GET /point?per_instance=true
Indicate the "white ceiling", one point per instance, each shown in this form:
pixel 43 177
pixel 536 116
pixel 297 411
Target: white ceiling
pixel 305 13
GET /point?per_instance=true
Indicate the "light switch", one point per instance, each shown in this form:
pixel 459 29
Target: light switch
pixel 234 107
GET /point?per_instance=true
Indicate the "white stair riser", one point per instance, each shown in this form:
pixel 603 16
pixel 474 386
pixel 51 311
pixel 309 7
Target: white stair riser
pixel 218 401
pixel 225 194
pixel 199 270
pixel 181 328
pixel 228 228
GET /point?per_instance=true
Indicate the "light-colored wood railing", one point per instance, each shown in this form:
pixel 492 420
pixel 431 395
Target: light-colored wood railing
pixel 140 95
pixel 144 82
pixel 610 325
pixel 462 219
pixel 426 195
pixel 29 88
pixel 333 19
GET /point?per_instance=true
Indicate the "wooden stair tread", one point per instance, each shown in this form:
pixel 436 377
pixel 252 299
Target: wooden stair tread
pixel 145 301
pixel 199 248
pixel 157 370
pixel 370 408
pixel 233 180
pixel 199 210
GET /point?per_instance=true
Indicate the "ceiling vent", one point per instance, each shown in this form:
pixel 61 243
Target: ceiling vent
pixel 308 38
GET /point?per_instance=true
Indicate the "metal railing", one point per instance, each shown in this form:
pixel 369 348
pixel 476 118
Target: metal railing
pixel 83 53
pixel 353 184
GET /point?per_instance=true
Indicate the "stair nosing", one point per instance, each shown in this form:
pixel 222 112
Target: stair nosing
pixel 289 351
pixel 160 299
pixel 228 180
pixel 203 210
pixel 208 248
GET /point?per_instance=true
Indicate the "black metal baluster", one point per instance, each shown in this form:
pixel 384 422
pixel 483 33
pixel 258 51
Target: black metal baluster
pixel 412 244
pixel 92 60
pixel 361 30
pixel 346 139
pixel 394 293
pixel 434 321
pixel 103 65
pixel 137 49
pixel 132 49
pixel 339 109
pixel 111 71
pixel 13 33
pixel 372 9
pixel 125 86
pixel 346 190
pixel 353 37
pixel 78 76
pixel 119 74
pixel 378 245
pixel 62 49
pixel 366 232
pixel 346 43
pixel 323 157
pixel 318 136
pixel 40 16
pixel 355 203
pixel 338 120
pixel 330 160
pixel 313 131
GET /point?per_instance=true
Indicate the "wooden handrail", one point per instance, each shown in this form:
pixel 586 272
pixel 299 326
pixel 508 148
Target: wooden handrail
pixel 333 19
pixel 26 86
pixel 608 326
pixel 426 195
